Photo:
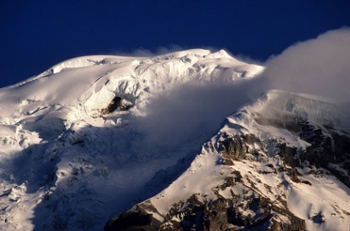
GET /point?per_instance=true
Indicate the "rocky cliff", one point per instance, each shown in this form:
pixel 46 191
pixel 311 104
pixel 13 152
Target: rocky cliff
pixel 267 176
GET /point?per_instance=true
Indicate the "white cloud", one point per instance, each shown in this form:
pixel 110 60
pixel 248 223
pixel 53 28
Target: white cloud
pixel 318 66
pixel 195 111
pixel 142 52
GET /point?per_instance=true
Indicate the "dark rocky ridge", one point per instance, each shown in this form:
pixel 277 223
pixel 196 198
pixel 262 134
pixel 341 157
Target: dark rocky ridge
pixel 327 147
pixel 220 214
pixel 133 219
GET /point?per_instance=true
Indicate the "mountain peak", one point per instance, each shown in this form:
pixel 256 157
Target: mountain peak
pixel 166 141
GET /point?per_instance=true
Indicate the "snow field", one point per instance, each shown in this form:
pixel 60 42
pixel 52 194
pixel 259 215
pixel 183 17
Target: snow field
pixel 64 158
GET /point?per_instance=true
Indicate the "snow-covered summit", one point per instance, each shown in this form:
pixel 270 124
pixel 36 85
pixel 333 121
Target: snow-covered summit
pixel 93 81
pixel 108 121
pixel 92 136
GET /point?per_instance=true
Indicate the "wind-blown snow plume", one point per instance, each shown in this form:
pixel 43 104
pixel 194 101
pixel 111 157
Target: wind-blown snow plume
pixel 143 52
pixel 93 135
pixel 318 66
pixel 189 110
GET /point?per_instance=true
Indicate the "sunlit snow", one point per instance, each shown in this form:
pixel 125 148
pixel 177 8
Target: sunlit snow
pixel 69 162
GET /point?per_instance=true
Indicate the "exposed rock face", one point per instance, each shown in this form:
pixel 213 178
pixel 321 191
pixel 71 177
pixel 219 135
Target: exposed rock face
pixel 220 214
pixel 328 147
pixel 238 146
pixel 133 219
pixel 116 103
pixel 328 152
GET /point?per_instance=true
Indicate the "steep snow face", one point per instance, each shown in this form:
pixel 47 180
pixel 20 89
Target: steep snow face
pixel 90 83
pixel 78 90
pixel 80 140
pixel 266 167
pixel 312 127
pixel 308 107
pixel 92 136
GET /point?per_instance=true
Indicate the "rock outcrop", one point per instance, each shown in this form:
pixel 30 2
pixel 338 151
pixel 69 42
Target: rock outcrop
pixel 253 209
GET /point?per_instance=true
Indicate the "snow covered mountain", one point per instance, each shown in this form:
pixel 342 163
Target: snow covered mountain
pixel 181 141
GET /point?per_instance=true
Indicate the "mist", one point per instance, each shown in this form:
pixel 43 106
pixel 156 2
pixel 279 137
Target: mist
pixel 318 66
pixel 143 52
pixel 194 112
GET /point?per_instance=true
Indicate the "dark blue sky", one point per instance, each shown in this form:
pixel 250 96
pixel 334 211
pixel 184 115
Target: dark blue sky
pixel 39 34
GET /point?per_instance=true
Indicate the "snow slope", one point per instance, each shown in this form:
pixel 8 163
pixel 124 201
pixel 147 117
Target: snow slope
pixel 70 162
pixel 315 195
pixel 92 136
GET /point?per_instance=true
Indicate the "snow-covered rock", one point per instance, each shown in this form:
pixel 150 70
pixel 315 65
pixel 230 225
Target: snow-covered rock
pixel 146 138
pixel 270 167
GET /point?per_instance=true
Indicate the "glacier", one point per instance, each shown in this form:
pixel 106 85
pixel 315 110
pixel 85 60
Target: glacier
pixel 93 136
